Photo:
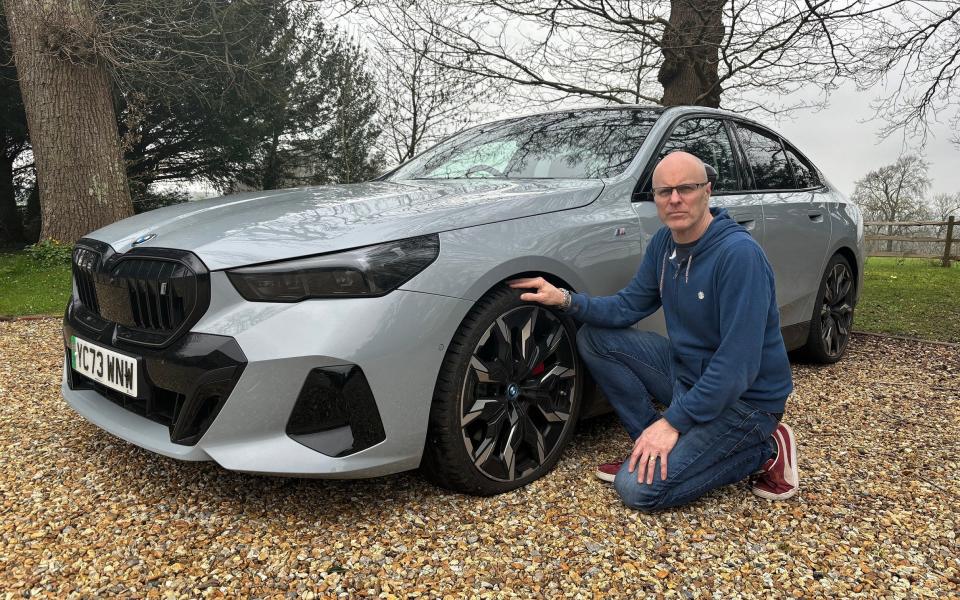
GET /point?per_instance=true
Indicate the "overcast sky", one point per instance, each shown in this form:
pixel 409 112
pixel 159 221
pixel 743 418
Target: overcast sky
pixel 845 147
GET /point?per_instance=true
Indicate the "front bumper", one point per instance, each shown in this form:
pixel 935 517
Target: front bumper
pixel 398 341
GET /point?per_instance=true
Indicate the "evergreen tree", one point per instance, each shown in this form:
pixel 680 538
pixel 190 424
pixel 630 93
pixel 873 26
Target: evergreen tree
pixel 353 131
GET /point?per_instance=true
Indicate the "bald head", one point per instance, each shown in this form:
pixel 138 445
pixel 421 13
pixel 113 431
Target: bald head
pixel 680 164
pixel 682 193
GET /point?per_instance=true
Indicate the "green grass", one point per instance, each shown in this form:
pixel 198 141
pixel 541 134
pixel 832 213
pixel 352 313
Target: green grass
pixel 912 297
pixel 30 288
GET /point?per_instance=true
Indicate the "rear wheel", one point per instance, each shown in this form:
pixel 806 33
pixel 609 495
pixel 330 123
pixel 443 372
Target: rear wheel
pixel 832 313
pixel 507 398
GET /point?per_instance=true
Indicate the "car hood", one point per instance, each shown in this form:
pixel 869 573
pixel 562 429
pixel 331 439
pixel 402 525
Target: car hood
pixel 255 227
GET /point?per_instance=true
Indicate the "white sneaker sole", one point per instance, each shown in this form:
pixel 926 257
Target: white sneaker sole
pixel 607 477
pixel 792 474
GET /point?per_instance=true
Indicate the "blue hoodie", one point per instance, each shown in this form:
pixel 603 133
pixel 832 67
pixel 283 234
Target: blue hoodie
pixel 722 320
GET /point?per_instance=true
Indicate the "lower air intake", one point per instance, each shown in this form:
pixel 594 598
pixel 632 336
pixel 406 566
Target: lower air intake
pixel 335 413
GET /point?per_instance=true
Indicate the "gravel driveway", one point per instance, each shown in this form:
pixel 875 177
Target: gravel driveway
pixel 83 513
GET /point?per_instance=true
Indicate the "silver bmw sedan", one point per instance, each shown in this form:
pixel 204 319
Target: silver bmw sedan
pixel 359 330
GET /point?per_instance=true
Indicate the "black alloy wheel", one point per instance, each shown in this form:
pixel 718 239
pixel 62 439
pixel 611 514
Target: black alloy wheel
pixel 507 399
pixel 832 320
pixel 517 393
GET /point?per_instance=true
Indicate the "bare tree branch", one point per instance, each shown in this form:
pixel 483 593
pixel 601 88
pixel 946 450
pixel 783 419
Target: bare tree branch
pixel 615 50
pixel 916 45
pixel 422 100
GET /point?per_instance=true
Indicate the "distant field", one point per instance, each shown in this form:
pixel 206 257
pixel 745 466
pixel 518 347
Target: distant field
pixel 913 297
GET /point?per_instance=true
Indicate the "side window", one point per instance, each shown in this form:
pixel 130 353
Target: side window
pixel 767 159
pixel 707 140
pixel 803 172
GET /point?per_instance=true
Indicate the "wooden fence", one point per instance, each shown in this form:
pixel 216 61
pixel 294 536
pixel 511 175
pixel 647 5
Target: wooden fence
pixel 949 249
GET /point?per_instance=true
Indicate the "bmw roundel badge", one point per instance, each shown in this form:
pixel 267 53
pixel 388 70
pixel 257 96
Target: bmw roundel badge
pixel 143 239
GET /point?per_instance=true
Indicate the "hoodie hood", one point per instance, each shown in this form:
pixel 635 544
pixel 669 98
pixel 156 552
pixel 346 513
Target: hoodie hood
pixel 257 227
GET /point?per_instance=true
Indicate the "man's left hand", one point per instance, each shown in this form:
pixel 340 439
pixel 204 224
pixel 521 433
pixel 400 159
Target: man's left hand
pixel 655 441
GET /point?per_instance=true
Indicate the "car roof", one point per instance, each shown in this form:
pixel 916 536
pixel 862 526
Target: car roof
pixel 658 110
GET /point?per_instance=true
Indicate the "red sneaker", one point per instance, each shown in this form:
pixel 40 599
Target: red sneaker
pixel 780 478
pixel 608 471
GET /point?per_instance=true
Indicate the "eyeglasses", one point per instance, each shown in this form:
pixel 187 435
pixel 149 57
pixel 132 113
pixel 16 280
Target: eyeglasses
pixel 684 189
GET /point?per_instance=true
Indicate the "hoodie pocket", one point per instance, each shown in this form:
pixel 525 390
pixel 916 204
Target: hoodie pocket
pixel 688 368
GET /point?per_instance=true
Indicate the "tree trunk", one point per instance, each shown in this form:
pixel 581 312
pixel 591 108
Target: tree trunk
pixel 691 44
pixel 31 222
pixel 70 114
pixel 11 225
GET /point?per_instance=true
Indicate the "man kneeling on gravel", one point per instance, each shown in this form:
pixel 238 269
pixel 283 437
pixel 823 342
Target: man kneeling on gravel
pixel 723 374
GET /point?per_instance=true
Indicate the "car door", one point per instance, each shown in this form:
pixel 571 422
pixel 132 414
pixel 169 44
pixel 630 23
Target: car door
pixel 795 220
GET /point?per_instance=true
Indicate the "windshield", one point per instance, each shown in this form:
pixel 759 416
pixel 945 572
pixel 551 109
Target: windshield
pixel 575 145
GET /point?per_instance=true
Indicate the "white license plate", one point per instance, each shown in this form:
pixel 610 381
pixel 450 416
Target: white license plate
pixel 112 369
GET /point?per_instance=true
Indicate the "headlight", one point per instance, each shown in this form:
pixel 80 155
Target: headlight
pixel 369 271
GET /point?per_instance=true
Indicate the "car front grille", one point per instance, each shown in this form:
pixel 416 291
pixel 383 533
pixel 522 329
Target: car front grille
pixel 151 295
pixel 86 263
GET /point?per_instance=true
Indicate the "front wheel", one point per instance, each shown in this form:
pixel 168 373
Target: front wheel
pixel 507 398
pixel 832 313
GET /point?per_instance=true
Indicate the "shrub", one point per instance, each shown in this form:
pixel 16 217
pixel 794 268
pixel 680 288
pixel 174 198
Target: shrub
pixel 50 253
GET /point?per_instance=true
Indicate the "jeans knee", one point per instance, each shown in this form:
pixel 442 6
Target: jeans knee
pixel 600 340
pixel 586 340
pixel 636 495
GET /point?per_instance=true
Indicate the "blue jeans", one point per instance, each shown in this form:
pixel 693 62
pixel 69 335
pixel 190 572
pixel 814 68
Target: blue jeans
pixel 634 368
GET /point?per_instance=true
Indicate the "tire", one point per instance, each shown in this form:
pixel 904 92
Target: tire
pixel 832 316
pixel 507 398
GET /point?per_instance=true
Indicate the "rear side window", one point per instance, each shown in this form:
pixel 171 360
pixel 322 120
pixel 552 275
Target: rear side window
pixel 803 172
pixel 707 140
pixel 767 159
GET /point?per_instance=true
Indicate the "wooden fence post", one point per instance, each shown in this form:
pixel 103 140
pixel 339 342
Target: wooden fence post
pixel 949 241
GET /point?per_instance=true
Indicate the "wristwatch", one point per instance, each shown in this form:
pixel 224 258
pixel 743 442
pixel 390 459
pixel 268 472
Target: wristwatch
pixel 567 299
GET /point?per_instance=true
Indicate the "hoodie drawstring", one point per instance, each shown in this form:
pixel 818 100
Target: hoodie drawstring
pixel 663 270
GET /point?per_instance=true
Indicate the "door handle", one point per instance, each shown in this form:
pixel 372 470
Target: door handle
pixel 816 217
pixel 748 224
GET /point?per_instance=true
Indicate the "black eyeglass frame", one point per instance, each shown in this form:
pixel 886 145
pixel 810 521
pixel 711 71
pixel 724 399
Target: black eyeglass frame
pixel 661 192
